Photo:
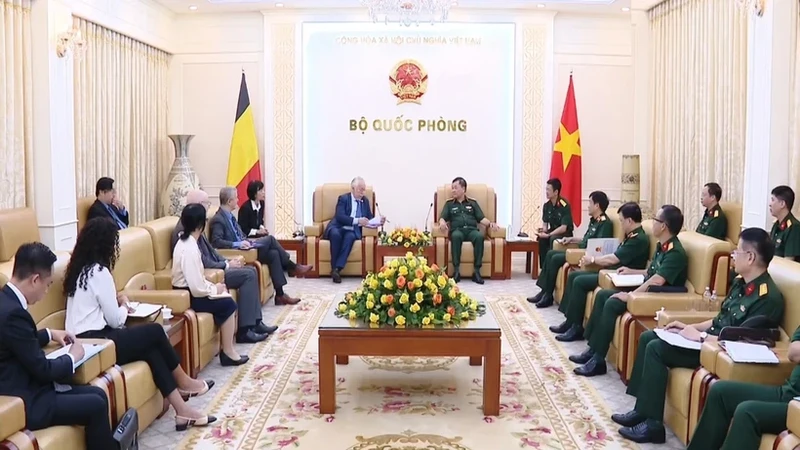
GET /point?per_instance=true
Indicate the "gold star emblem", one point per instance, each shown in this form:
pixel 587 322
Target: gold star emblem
pixel 568 145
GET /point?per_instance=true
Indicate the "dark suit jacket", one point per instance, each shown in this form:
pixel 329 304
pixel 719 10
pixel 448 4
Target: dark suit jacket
pixel 25 372
pixel 99 210
pixel 249 219
pixel 222 233
pixel 344 207
pixel 211 258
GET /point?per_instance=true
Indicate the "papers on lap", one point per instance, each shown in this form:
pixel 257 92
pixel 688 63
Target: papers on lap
pixel 218 296
pixel 142 310
pixel 601 247
pixel 676 340
pixel 375 222
pixel 742 352
pixel 89 349
pixel 627 280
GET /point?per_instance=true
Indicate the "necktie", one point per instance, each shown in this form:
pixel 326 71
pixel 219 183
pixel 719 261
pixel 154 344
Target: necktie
pixel 357 228
pixel 236 230
pixel 120 224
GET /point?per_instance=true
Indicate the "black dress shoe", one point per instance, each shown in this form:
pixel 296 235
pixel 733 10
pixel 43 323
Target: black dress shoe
pixel 628 419
pixel 575 333
pixel 582 358
pixel 226 360
pixel 649 431
pixel 335 276
pixel 250 337
pixel 457 276
pixel 262 328
pixel 594 367
pixel 476 277
pixel 545 301
pixel 561 328
pixel 536 298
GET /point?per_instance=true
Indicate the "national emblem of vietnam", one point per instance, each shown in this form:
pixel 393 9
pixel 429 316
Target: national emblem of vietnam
pixel 408 81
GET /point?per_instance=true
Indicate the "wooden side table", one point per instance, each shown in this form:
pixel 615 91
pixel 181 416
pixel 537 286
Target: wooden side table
pixel 174 329
pixel 295 245
pixel 530 247
pixel 382 251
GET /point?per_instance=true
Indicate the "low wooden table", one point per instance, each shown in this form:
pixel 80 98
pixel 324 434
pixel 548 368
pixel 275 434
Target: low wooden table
pixel 383 251
pixel 174 329
pixel 530 247
pixel 340 338
pixel 295 245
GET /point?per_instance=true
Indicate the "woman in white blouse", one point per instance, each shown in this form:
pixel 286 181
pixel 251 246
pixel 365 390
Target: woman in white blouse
pixel 95 310
pixel 207 297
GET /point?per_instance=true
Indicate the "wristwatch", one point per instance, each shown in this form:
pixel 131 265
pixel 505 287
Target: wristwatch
pixel 703 336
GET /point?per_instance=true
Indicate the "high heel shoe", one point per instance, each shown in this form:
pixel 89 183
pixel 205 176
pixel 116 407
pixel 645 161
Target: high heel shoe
pixel 226 360
pixel 207 385
pixel 190 423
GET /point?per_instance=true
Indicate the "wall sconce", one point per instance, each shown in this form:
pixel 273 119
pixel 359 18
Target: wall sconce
pixel 753 6
pixel 70 41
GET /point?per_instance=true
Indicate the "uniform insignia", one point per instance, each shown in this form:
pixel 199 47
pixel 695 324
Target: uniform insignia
pixel 633 235
pixel 749 289
pixel 742 308
pixel 778 242
pixel 705 224
pixel 602 218
pixel 763 289
pixel 788 223
pixel 738 276
pixel 563 202
pixel 716 213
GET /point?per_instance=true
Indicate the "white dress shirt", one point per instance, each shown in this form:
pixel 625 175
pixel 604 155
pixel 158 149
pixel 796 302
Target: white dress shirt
pixel 257 208
pixel 187 269
pixel 96 306
pixel 353 210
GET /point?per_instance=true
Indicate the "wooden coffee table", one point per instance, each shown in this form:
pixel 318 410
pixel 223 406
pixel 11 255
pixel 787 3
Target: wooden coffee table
pixel 384 251
pixel 174 329
pixel 340 338
pixel 531 249
pixel 294 245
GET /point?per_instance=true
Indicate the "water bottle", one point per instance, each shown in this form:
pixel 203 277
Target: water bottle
pixel 713 305
pixel 705 301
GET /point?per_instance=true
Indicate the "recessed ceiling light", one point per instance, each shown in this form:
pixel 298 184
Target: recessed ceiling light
pixel 540 5
pixel 625 8
pixel 192 8
pixel 279 5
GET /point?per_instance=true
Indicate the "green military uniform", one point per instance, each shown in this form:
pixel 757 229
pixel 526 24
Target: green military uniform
pixel 553 217
pixel 555 259
pixel 714 223
pixel 648 381
pixel 754 410
pixel 669 261
pixel 785 235
pixel 464 218
pixel 632 253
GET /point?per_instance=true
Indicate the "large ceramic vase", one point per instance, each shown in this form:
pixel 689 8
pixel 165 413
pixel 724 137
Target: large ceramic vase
pixel 182 177
pixel 630 178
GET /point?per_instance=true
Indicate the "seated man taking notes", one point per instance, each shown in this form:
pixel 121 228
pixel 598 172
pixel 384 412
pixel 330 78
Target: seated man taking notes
pixel 27 373
pixel 752 294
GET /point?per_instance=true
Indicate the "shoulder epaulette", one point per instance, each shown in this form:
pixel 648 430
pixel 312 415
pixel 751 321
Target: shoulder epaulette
pixel 788 223
pixel 716 213
pixel 602 218
pixel 633 235
pixel 763 289
pixel 669 247
pixel 563 202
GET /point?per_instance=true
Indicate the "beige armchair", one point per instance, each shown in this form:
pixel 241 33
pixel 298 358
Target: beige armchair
pixel 17 226
pixel 493 245
pixel 318 250
pixel 82 208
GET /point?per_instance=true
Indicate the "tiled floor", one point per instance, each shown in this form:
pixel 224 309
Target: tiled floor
pixel 161 435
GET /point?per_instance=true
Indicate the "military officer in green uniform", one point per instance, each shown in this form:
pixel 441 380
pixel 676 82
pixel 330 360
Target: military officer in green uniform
pixel 632 253
pixel 749 410
pixel 667 271
pixel 785 231
pixel 556 223
pixel 753 294
pixel 599 227
pixel 461 216
pixel 714 223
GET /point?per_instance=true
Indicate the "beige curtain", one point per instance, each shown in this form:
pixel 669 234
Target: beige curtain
pixel 794 105
pixel 699 60
pixel 121 118
pixel 15 103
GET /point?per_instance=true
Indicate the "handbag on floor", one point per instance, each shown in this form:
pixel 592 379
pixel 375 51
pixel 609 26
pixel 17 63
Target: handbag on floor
pixel 127 432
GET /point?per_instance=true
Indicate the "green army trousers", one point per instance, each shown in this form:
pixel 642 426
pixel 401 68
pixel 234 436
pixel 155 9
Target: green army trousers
pixel 457 238
pixel 548 272
pixel 600 328
pixel 573 302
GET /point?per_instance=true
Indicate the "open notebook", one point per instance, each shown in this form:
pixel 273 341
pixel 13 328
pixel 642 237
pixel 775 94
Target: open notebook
pixel 676 340
pixel 627 280
pixel 89 349
pixel 743 352
pixel 143 309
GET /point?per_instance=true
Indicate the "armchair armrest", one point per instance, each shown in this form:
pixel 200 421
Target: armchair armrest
pixel 557 245
pixel 314 230
pixel 647 303
pixel 687 317
pixel 177 300
pixel 214 275
pixel 499 233
pixel 574 255
pixel 436 232
pixel 604 280
pixel 230 253
pixel 769 374
pixel 12 416
pixel 94 366
pixel 792 418
pixel 369 232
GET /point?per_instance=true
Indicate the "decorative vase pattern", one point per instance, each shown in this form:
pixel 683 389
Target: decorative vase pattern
pixel 182 178
pixel 630 178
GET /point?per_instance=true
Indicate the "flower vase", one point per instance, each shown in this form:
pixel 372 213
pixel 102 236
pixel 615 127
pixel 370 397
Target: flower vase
pixel 630 178
pixel 182 178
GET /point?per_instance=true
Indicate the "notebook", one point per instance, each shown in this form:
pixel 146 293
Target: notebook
pixel 627 280
pixel 218 296
pixel 676 340
pixel 89 351
pixel 743 352
pixel 142 310
pixel 601 246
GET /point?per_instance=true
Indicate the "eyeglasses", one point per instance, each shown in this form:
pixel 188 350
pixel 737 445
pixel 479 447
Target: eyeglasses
pixel 656 219
pixel 739 252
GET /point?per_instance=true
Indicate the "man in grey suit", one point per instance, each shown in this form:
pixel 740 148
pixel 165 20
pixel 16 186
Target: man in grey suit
pixel 237 276
pixel 226 233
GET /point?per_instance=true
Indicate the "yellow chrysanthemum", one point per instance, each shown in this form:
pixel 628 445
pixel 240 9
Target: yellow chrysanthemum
pixel 451 294
pixel 359 293
pixel 432 315
pixel 400 320
pixel 414 308
pixel 394 264
pixel 441 281
pixel 426 320
pixel 352 314
pixel 464 300
pixel 352 302
pixel 446 317
pixel 404 298
pixel 371 297
pixel 412 263
pixel 370 304
pixel 473 306
pixel 409 256
pixel 373 283
pixel 419 296
pixel 374 318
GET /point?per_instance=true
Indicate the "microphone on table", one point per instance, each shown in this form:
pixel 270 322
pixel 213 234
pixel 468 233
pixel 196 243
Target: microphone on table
pixel 521 233
pixel 427 216
pixel 299 231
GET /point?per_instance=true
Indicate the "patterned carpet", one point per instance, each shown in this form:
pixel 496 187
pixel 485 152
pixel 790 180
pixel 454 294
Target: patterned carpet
pixel 408 403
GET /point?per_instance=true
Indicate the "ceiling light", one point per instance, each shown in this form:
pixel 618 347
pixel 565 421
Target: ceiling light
pixel 192 8
pixel 625 8
pixel 279 5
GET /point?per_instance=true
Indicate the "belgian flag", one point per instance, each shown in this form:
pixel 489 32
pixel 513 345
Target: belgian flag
pixel 243 164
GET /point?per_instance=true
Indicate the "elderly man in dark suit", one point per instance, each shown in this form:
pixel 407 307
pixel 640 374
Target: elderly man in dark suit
pixel 26 372
pixel 237 276
pixel 352 213
pixel 108 204
pixel 226 233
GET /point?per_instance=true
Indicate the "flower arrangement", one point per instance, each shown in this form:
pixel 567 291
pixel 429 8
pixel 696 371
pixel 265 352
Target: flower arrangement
pixel 408 292
pixel 406 237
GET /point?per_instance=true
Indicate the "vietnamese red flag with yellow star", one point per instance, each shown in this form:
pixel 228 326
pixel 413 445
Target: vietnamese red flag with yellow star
pixel 566 162
pixel 243 163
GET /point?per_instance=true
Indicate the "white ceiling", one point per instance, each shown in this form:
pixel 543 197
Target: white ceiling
pixel 222 6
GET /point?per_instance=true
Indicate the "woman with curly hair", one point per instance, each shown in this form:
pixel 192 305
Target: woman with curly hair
pixel 96 311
